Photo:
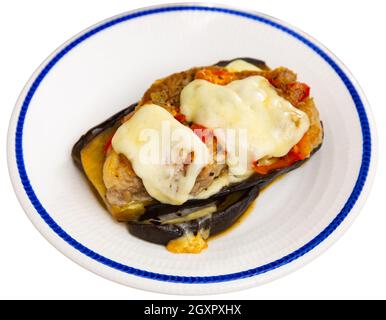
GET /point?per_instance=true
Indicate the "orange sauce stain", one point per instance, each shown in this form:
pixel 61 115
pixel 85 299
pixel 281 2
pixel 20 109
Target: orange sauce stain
pixel 246 213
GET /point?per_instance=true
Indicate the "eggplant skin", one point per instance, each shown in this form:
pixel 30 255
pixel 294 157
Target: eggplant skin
pixel 161 234
pixel 256 62
pixel 93 132
pixel 218 222
pixel 224 219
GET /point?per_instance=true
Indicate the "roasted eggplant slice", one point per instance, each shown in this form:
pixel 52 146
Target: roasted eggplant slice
pixel 186 227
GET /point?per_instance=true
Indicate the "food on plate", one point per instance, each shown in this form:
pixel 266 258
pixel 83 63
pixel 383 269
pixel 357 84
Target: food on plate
pixel 187 160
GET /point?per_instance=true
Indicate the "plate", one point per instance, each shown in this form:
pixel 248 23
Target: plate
pixel 107 67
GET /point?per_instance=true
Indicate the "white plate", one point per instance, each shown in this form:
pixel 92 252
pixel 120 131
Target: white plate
pixel 107 67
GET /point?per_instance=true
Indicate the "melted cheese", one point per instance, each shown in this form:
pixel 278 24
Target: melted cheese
pixel 266 125
pixel 157 146
pixel 241 65
pixel 193 215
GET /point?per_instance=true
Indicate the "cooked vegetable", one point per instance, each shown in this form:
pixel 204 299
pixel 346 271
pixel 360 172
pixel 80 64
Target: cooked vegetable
pixel 186 227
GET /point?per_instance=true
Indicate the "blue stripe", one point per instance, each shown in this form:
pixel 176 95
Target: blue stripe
pixel 366 155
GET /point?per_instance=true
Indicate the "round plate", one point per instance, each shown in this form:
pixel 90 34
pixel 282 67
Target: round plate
pixel 108 67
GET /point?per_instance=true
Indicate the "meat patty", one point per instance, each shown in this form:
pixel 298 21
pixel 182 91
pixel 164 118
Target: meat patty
pixel 122 184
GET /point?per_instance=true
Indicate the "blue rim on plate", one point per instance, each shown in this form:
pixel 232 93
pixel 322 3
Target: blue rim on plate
pixel 364 168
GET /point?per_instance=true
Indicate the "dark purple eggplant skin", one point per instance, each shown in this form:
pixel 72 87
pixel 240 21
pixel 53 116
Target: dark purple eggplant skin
pixel 94 131
pixel 224 219
pixel 155 232
pixel 161 234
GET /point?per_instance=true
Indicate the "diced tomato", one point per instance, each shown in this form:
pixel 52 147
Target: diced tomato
pixel 195 126
pixel 107 146
pixel 282 162
pixel 299 152
pixel 271 81
pixel 296 154
pixel 202 132
pixel 180 117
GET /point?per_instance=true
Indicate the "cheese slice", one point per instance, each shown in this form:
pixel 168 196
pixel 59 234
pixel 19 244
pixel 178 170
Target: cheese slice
pixel 249 118
pixel 165 154
pixel 241 65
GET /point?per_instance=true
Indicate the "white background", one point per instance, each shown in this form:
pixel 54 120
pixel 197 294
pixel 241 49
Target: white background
pixel 355 267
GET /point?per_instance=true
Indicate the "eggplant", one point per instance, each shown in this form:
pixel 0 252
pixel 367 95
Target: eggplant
pixel 95 131
pixel 159 226
pixel 162 223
